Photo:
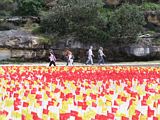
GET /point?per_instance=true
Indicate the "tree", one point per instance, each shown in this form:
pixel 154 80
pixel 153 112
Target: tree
pixel 125 24
pixel 78 17
pixel 6 7
pixel 29 7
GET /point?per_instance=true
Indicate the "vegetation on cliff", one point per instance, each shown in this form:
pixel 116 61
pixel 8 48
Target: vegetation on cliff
pixel 87 20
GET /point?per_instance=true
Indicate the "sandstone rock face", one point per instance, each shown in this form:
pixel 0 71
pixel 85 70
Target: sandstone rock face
pixel 20 44
pixel 18 39
pixel 153 17
pixel 22 54
pixel 5 54
pixel 28 54
pixel 140 51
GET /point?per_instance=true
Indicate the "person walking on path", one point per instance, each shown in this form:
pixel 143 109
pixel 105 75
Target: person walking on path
pixel 69 58
pixel 101 56
pixel 52 59
pixel 90 56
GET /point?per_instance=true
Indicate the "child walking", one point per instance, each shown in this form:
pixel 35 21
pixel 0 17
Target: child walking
pixel 52 59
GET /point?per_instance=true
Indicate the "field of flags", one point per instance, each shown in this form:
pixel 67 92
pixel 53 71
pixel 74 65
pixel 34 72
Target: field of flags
pixel 79 93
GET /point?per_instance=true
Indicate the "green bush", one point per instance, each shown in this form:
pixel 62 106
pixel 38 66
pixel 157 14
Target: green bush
pixel 150 6
pixel 125 23
pixel 71 17
pixel 29 7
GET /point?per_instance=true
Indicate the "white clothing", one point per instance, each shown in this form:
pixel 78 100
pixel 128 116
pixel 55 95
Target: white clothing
pixel 100 52
pixel 90 53
pixel 52 57
pixel 70 60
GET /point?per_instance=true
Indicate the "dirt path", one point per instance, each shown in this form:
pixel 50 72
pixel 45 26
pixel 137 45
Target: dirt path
pixel 154 63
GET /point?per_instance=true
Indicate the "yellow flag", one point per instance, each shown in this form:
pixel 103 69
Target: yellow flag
pixel 79 97
pixel 131 110
pixel 45 97
pixel 100 102
pixel 143 117
pixel 108 103
pixel 89 115
pixel 27 114
pixel 16 114
pixel 3 117
pixel 109 97
pixel 89 102
pixel 45 117
pixel 53 115
pixel 8 102
pixel 64 107
pixel 104 109
pixel 88 91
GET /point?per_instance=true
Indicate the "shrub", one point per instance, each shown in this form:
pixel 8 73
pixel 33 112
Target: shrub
pixel 29 7
pixel 150 6
pixel 125 23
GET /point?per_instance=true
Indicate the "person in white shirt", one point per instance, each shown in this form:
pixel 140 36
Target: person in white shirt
pixel 101 56
pixel 90 56
pixel 52 59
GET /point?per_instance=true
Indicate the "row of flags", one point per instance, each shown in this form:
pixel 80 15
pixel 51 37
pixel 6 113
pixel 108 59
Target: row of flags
pixel 79 93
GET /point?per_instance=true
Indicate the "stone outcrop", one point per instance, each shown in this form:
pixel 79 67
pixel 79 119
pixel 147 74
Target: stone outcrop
pixel 18 20
pixel 153 17
pixel 18 39
pixel 5 54
pixel 20 44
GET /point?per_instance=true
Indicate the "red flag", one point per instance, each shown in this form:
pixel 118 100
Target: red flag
pixel 56 90
pixel 150 112
pixel 93 96
pixel 33 91
pixel 23 117
pixel 143 103
pixel 124 118
pixel 155 118
pixel 111 92
pixel 124 99
pixel 74 113
pixel 78 118
pixel 155 104
pixel 38 96
pixel 94 104
pixel 110 115
pixel 135 117
pixel 16 108
pixel 16 95
pixel 64 116
pixel 25 104
pixel 50 103
pixel 26 93
pixel 39 102
pixel 4 113
pixel 115 103
pixel 114 110
pixel 45 111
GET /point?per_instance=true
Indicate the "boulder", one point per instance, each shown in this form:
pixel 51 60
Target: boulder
pixel 18 39
pixel 153 17
pixel 5 54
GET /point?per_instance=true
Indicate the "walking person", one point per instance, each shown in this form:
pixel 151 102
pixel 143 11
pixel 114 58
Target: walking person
pixel 101 56
pixel 90 56
pixel 52 59
pixel 69 58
